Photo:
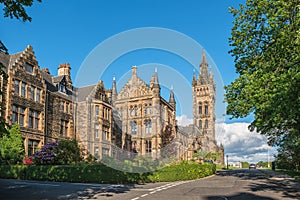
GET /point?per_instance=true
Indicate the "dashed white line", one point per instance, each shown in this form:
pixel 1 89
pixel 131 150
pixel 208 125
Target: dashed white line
pixel 144 195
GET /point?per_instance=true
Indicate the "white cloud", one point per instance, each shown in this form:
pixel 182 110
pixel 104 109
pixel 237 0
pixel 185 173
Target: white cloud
pixel 183 120
pixel 242 145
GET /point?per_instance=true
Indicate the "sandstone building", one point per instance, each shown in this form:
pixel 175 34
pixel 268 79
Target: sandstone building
pixel 148 118
pixel 137 119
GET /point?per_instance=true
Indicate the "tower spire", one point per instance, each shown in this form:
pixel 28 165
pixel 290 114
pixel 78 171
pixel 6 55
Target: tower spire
pixel 114 89
pixel 204 77
pixel 172 98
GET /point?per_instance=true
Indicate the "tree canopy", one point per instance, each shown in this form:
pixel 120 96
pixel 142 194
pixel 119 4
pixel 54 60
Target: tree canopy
pixel 12 147
pixel 265 43
pixel 16 8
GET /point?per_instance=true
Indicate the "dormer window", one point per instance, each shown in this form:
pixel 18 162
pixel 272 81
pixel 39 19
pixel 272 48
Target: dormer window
pixel 62 88
pixel 29 68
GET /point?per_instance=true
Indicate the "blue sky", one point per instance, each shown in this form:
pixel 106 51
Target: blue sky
pixel 68 32
pixel 71 31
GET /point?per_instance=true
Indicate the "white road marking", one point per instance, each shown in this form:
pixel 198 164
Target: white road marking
pixel 144 195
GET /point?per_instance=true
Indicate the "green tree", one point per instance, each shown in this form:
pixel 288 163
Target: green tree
pixel 3 78
pixel 288 156
pixel 68 152
pixel 16 8
pixel 266 46
pixel 245 164
pixel 12 147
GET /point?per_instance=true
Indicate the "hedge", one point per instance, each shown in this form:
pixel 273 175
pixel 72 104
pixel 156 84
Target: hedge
pixel 99 173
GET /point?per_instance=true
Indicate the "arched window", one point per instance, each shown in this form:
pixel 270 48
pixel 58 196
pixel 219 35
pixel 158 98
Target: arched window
pixel 133 127
pixel 148 125
pixel 131 111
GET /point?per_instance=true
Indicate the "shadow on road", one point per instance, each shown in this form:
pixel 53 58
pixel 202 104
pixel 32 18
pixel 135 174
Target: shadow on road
pixel 240 196
pixel 262 181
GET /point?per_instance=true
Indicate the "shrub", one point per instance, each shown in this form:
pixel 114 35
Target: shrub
pixel 62 152
pixel 99 173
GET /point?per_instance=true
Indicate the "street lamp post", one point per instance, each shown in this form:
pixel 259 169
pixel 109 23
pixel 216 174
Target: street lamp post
pixel 227 161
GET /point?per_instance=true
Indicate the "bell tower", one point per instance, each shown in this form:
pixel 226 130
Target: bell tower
pixel 204 97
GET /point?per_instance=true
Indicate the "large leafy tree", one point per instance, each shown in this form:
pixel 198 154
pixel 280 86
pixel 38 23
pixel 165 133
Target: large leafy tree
pixel 12 147
pixel 16 8
pixel 266 46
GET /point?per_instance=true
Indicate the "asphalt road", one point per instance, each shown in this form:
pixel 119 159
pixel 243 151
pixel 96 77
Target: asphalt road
pixel 236 185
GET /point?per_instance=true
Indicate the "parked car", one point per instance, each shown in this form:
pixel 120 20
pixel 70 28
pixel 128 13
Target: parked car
pixel 252 166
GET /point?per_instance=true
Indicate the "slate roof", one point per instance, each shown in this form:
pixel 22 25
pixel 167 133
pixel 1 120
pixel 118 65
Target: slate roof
pixel 83 92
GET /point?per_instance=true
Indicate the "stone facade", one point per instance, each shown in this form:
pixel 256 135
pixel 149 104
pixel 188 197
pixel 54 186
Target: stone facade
pixel 94 120
pixel 144 115
pixel 59 104
pixel 204 98
pixel 25 97
pixel 136 120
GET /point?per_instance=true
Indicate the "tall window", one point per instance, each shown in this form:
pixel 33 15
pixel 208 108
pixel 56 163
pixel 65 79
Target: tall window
pixel 17 87
pixel 15 114
pixel 30 119
pixel 206 124
pixel 105 152
pixel 148 109
pixel 62 106
pixel 105 133
pixel 148 146
pixel 135 111
pixel 148 125
pixel 22 116
pixel 200 108
pixel 200 124
pixel 131 111
pixel 96 152
pixel 97 110
pixel 133 127
pixel 62 88
pixel 29 68
pixel 31 95
pixel 96 131
pixel 206 109
pixel 36 120
pixel 32 146
pixel 33 119
pixel 67 107
pixel 38 95
pixel 63 127
pixel 23 90
pixel 18 115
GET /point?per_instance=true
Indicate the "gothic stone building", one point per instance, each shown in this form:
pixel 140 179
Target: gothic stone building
pixel 148 118
pixel 40 103
pixel 137 119
pixel 94 120
pixel 204 98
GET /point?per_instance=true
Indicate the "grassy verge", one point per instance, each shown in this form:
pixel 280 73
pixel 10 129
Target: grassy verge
pixel 99 173
pixel 294 174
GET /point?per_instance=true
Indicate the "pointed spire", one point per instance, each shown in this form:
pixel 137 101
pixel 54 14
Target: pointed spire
pixel 194 81
pixel 204 77
pixel 114 90
pixel 155 78
pixel 172 98
pixel 203 56
pixel 133 68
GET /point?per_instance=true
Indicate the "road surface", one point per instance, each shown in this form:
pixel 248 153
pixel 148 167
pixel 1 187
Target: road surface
pixel 234 185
